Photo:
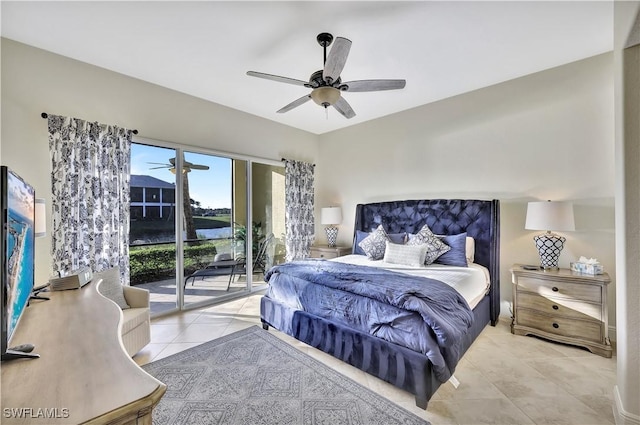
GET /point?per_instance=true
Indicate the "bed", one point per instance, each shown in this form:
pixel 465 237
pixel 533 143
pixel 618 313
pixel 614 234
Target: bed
pixel 407 368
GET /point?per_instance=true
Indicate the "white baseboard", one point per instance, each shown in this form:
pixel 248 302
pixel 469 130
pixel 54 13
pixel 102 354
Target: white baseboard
pixel 612 333
pixel 621 416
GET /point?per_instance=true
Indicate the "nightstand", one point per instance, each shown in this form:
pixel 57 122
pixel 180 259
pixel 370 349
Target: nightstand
pixel 562 306
pixel 327 252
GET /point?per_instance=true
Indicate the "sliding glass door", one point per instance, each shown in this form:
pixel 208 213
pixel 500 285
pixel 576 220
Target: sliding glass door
pixel 152 229
pixel 267 207
pixel 212 260
pixel 194 216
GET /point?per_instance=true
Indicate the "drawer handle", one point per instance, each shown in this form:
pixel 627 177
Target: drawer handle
pixel 555 307
pixel 554 289
pixel 555 325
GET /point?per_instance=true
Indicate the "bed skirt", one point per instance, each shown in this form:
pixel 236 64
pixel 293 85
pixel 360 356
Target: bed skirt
pixel 400 366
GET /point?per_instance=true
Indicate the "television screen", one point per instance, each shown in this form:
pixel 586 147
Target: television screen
pixel 18 216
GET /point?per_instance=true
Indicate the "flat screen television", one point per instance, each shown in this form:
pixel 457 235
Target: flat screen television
pixel 17 201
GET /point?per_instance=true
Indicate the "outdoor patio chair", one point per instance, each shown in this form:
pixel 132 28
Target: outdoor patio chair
pixel 260 260
pixel 222 264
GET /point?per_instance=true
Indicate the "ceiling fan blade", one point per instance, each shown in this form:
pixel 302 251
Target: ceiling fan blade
pixel 336 59
pixel 373 85
pixel 157 168
pixel 295 104
pixel 344 108
pixel 277 78
pixel 198 167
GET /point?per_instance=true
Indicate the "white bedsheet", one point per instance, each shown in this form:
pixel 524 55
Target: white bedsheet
pixel 471 282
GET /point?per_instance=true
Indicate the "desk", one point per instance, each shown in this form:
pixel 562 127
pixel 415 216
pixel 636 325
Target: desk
pixel 83 374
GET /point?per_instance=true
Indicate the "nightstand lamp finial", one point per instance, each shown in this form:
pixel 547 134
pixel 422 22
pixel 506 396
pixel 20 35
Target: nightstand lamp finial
pixel 549 216
pixel 331 216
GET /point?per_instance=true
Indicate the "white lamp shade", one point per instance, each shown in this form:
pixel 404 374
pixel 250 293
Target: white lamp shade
pixel 40 226
pixel 331 215
pixel 547 215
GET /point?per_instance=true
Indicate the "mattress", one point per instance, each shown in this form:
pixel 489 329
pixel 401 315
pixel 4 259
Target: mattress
pixel 471 282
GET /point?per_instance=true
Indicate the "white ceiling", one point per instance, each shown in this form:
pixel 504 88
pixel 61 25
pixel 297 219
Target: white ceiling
pixel 205 48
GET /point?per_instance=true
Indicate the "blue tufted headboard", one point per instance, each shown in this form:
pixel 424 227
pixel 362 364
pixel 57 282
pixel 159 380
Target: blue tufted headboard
pixel 480 219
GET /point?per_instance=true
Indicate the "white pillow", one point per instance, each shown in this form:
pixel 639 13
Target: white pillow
pixel 470 251
pixel 407 255
pixel 111 286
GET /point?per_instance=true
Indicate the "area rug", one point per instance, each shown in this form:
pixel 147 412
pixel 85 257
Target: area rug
pixel 251 377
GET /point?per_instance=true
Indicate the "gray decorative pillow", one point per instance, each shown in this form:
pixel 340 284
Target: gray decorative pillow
pixel 374 244
pixel 406 255
pixel 111 286
pixel 435 247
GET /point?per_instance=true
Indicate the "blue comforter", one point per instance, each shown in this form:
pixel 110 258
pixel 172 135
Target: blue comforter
pixel 419 313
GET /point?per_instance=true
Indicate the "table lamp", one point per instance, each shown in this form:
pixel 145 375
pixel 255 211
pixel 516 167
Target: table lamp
pixel 549 216
pixel 331 216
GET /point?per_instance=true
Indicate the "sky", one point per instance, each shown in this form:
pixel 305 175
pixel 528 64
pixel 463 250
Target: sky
pixel 21 197
pixel 212 187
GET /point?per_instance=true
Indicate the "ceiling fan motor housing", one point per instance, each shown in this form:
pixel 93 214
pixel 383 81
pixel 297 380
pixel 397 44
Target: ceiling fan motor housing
pixel 316 80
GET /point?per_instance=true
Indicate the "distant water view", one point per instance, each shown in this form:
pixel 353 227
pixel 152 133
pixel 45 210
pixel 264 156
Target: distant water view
pixel 219 233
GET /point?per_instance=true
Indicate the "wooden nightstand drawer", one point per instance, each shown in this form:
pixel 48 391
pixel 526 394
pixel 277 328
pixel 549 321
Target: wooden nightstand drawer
pixel 327 253
pixel 545 288
pixel 560 306
pixel 589 330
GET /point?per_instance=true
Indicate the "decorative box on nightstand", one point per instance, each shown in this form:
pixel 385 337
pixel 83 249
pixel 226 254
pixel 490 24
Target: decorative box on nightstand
pixel 562 306
pixel 328 252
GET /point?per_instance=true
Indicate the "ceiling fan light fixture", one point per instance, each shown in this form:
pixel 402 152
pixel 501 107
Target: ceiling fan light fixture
pixel 325 96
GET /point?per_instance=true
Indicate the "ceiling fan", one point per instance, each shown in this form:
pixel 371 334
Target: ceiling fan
pixel 327 84
pixel 186 166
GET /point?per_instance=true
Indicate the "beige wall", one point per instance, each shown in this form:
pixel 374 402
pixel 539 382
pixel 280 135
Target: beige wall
pixel 36 81
pixel 549 135
pixel 627 73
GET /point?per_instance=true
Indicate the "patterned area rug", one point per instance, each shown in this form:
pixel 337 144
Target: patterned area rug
pixel 253 378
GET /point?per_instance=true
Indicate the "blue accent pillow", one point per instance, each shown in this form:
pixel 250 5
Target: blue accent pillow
pixel 457 255
pixel 397 238
pixel 360 235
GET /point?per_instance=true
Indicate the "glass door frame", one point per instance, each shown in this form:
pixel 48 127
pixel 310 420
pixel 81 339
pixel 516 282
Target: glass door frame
pixel 180 149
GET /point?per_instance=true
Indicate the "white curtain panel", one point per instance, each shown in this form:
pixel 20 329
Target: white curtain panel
pixel 90 175
pixel 299 200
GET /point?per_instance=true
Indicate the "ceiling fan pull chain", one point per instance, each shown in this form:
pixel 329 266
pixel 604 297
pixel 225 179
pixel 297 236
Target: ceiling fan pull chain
pixel 326 112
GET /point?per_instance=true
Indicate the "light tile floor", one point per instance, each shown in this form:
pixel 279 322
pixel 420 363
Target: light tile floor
pixel 504 379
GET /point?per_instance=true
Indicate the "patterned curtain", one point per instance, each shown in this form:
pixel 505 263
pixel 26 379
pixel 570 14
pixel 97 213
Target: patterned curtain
pixel 90 195
pixel 299 209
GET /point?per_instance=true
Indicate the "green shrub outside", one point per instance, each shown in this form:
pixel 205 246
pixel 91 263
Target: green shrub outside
pixel 150 264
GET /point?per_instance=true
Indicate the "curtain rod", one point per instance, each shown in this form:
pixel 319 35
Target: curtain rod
pixel 285 160
pixel 45 116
